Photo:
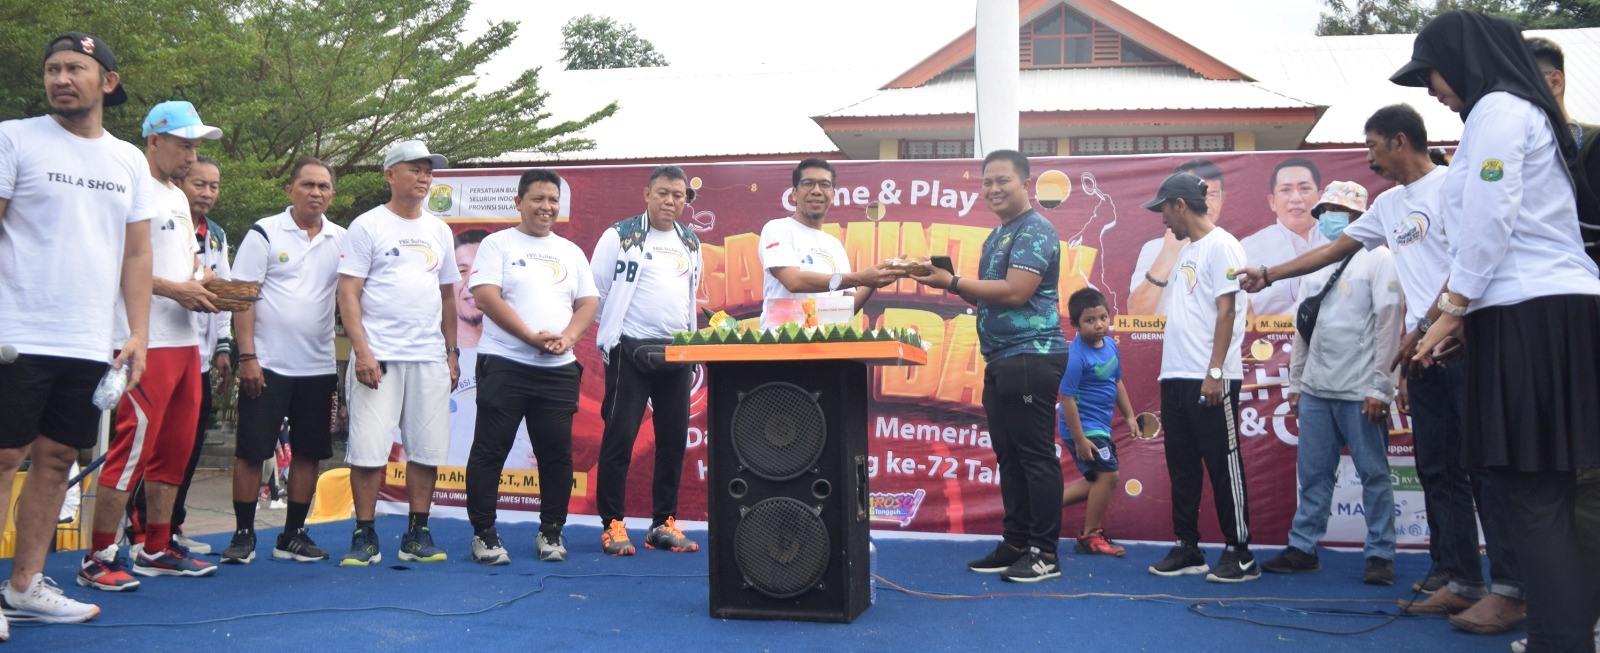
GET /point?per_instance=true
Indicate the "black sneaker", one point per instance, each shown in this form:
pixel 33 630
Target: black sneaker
pixel 297 546
pixel 1183 560
pixel 1379 571
pixel 1000 559
pixel 241 549
pixel 1291 561
pixel 1032 567
pixel 1235 566
pixel 1436 579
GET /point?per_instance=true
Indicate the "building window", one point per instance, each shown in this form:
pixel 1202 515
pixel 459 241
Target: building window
pixel 1214 143
pixel 1092 145
pixel 1132 53
pixel 954 149
pixel 1062 37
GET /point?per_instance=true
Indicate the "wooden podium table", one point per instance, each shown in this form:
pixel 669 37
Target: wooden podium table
pixel 789 511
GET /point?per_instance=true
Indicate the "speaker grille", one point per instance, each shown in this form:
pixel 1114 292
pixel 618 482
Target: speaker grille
pixel 778 431
pixel 781 547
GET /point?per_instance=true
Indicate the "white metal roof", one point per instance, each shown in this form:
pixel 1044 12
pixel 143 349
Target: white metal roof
pixel 666 113
pixel 1077 89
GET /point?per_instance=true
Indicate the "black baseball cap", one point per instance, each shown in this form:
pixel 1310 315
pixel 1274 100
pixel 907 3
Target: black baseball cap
pixel 91 45
pixel 1178 185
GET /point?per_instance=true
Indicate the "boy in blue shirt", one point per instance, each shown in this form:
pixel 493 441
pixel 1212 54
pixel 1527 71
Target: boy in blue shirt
pixel 1091 387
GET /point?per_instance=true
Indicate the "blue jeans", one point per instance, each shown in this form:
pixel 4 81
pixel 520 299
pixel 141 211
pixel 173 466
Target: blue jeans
pixel 1325 424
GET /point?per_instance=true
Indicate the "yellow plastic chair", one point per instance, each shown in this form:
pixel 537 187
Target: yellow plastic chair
pixel 332 501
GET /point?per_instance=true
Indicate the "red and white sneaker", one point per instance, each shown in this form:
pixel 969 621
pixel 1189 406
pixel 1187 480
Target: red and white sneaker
pixel 103 570
pixel 171 562
pixel 1097 543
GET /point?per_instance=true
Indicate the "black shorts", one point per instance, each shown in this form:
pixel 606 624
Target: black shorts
pixel 50 396
pixel 307 401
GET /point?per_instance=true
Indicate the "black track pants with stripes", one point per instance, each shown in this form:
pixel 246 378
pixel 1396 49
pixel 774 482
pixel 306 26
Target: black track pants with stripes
pixel 1199 435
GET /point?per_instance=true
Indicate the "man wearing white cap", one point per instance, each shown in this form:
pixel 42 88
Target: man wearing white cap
pixel 397 276
pixel 156 422
pixel 1340 385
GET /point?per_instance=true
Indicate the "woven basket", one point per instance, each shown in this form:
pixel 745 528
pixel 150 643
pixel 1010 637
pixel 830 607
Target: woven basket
pixel 234 295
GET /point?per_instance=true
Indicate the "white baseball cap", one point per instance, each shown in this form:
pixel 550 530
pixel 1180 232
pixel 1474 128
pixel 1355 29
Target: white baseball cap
pixel 412 151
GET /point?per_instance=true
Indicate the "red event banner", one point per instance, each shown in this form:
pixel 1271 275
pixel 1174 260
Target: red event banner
pixel 931 465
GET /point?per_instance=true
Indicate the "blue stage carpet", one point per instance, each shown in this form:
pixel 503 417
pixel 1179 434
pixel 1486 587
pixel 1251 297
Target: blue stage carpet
pixel 658 601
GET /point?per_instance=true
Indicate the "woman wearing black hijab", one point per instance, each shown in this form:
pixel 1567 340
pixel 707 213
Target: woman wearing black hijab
pixel 1527 300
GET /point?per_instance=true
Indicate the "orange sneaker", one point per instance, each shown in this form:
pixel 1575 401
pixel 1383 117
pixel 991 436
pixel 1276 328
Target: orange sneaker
pixel 614 541
pixel 1097 543
pixel 668 537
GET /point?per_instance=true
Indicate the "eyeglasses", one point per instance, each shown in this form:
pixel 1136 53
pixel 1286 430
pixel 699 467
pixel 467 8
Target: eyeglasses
pixel 808 184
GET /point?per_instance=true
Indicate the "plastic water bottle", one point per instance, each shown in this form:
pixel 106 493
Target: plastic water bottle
pixel 112 385
pixel 872 569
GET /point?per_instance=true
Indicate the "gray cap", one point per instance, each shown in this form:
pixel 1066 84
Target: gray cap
pixel 1179 185
pixel 412 151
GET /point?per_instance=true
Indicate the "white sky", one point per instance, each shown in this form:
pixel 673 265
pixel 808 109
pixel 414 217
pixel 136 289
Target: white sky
pixel 877 38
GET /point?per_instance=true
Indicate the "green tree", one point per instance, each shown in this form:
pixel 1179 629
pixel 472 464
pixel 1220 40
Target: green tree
pixel 591 42
pixel 340 80
pixel 1345 17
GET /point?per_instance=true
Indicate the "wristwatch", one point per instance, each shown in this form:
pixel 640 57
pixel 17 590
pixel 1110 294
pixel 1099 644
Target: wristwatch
pixel 1450 308
pixel 834 281
pixel 452 350
pixel 1215 373
pixel 1423 325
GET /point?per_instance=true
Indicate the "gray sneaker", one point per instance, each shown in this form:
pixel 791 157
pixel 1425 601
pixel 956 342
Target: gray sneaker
pixel 241 549
pixel 298 546
pixel 552 546
pixel 488 550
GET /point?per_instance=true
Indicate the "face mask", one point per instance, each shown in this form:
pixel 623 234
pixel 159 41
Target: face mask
pixel 1332 223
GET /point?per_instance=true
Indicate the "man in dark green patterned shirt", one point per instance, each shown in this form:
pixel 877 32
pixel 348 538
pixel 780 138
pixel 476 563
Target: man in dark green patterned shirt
pixel 1019 333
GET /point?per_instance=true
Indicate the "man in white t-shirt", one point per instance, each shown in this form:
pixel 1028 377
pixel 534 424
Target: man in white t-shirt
pixel 1406 220
pixel 1201 374
pixel 155 426
pixel 1296 186
pixel 539 295
pixel 397 274
pixel 286 358
pixel 647 268
pixel 1158 255
pixel 215 330
pixel 75 209
pixel 799 260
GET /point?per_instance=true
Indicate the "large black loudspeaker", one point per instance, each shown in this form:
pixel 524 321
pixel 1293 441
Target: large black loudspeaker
pixel 789 514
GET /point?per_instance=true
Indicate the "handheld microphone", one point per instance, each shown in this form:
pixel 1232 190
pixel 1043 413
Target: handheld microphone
pixel 8 354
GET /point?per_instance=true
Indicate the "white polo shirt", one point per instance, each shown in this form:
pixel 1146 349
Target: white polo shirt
pixel 1198 279
pixel 61 237
pixel 404 262
pixel 788 243
pixel 1510 210
pixel 172 250
pixel 1273 245
pixel 1406 219
pixel 299 279
pixel 540 277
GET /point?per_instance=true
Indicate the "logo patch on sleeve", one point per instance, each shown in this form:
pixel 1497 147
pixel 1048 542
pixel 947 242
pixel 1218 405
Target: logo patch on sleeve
pixel 1492 170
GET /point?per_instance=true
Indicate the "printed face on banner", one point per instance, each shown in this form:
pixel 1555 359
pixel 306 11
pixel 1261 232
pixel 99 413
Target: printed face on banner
pixel 1294 193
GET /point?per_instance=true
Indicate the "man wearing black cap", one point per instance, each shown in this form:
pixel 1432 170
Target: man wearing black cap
pixel 1201 373
pixel 75 206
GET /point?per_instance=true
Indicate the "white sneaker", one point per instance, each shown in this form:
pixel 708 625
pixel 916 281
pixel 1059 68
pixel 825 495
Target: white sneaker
pixel 489 553
pixel 551 549
pixel 44 602
pixel 193 545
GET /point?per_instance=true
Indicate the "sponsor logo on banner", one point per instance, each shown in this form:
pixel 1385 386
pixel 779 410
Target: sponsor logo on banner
pixel 897 507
